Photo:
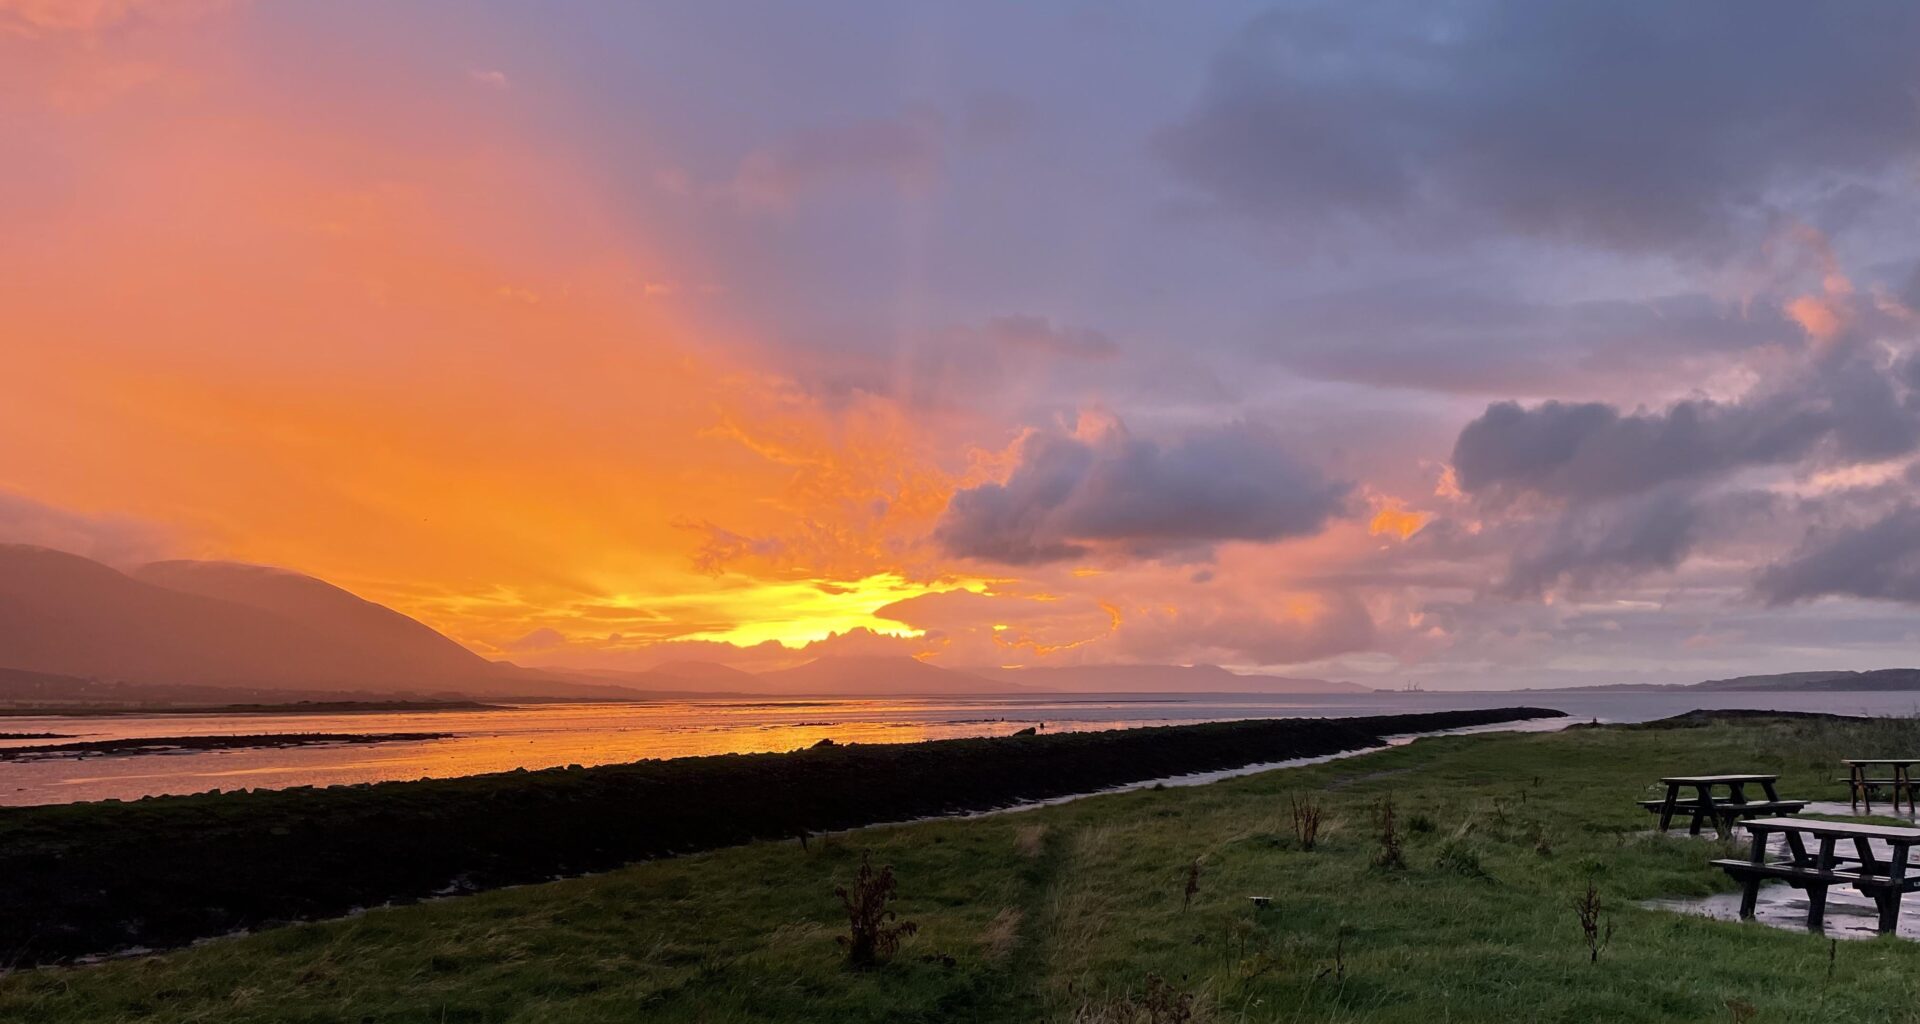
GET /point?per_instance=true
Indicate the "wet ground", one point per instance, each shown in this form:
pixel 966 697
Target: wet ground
pixel 1850 913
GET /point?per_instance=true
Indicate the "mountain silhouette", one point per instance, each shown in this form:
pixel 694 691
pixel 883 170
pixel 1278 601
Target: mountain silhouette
pixel 227 625
pixel 402 646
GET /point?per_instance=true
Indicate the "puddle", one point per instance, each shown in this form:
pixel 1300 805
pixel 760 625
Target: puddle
pixel 1851 914
pixel 1840 808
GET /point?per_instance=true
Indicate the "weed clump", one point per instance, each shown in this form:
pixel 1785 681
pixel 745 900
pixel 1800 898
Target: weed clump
pixel 1389 857
pixel 1161 1003
pixel 1307 815
pixel 1460 858
pixel 1193 884
pixel 874 929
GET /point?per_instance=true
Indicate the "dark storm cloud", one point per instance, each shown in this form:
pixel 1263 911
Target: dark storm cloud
pixel 1879 560
pixel 1633 125
pixel 1071 494
pixel 1621 538
pixel 1588 546
pixel 1591 450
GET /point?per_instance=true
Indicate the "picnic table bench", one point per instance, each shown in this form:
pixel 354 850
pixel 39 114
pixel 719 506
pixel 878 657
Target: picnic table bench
pixel 1721 810
pixel 1861 785
pixel 1814 863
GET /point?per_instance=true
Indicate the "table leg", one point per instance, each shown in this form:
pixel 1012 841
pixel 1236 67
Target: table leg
pixel 1869 864
pixel 1773 794
pixel 1750 892
pixel 1817 894
pixel 1666 809
pixel 1705 808
pixel 1890 904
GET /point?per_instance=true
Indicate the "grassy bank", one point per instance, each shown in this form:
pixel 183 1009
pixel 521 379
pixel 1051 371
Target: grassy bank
pixel 85 879
pixel 1091 911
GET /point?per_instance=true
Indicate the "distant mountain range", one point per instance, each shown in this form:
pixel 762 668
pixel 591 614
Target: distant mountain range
pixel 1798 682
pixel 874 676
pixel 1160 679
pixel 72 629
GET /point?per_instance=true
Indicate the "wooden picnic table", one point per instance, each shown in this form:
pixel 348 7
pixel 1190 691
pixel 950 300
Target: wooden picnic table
pixel 1814 863
pixel 1862 787
pixel 1722 809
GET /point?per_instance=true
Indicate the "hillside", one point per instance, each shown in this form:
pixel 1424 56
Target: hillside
pixel 247 630
pixel 1878 679
pixel 404 647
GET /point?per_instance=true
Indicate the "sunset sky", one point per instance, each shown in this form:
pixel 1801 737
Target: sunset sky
pixel 1470 344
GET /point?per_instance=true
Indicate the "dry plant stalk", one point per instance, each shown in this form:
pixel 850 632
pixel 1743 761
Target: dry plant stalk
pixel 1307 814
pixel 874 935
pixel 1390 856
pixel 1596 933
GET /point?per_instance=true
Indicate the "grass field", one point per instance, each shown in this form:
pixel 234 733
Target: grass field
pixel 1093 911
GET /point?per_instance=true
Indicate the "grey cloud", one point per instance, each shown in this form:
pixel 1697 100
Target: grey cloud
pixel 1437 337
pixel 1879 560
pixel 1633 125
pixel 1592 450
pixel 1588 546
pixel 1622 538
pixel 1070 495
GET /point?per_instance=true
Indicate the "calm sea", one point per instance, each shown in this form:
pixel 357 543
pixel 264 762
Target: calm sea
pixel 544 736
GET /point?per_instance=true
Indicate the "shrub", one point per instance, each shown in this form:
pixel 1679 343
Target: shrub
pixel 873 934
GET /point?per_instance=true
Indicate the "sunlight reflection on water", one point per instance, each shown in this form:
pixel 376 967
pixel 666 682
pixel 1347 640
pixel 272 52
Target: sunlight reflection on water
pixel 544 736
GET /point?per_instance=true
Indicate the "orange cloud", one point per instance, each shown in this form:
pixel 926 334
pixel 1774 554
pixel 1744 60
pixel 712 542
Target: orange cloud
pixel 1818 315
pixel 1392 517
